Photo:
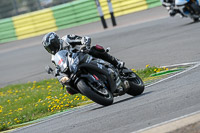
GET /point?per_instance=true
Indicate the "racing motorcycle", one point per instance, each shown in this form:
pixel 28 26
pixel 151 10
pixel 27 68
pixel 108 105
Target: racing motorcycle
pixel 186 8
pixel 95 78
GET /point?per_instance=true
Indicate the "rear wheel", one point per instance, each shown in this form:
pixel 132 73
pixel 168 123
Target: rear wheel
pixel 101 95
pixel 136 85
pixel 195 19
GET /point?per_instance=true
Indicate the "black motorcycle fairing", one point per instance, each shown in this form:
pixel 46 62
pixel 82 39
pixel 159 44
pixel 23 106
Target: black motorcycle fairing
pixel 84 58
pixel 93 66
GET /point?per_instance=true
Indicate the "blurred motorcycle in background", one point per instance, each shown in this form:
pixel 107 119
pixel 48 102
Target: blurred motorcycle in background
pixel 185 8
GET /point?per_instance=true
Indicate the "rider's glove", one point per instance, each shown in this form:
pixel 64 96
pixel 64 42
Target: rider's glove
pixel 86 41
pixel 120 64
pixel 64 80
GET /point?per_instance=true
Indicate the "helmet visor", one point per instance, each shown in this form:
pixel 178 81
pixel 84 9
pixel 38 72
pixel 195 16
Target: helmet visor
pixel 53 47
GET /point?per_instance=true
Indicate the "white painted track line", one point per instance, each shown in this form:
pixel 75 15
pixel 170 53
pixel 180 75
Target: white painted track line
pixel 176 123
pixel 173 124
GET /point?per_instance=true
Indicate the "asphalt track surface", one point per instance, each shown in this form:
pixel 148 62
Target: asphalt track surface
pixel 158 41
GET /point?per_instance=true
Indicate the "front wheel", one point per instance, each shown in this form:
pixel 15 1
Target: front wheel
pixel 136 86
pixel 102 96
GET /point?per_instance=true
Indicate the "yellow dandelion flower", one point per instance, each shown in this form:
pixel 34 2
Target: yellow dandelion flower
pixel 39 100
pixel 147 65
pixel 57 100
pixel 1 111
pixel 10 113
pixel 8 101
pixel 48 86
pixel 158 70
pixel 20 109
pixel 49 97
pixel 9 91
pixel 83 97
pixel 8 123
pixel 36 105
pixel 15 119
pixel 133 70
pixel 43 104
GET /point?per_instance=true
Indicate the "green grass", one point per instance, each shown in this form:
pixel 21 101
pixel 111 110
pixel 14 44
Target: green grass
pixel 27 102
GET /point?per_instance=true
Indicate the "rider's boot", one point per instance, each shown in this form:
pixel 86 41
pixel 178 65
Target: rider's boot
pixel 173 12
pixel 120 64
pixel 99 52
pixel 114 61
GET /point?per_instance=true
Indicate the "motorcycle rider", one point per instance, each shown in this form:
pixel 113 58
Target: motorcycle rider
pixel 52 43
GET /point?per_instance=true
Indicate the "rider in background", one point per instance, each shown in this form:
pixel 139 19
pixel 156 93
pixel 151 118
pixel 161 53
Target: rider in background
pixel 52 43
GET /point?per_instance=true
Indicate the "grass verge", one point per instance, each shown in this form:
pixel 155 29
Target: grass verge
pixel 27 102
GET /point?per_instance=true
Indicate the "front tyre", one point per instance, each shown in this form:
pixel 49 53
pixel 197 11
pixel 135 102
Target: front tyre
pixel 105 98
pixel 136 86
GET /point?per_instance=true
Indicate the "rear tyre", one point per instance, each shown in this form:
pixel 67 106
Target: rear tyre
pixel 105 98
pixel 195 19
pixel 136 86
